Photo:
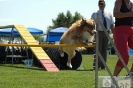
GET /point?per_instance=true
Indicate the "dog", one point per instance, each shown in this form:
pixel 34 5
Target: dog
pixel 80 32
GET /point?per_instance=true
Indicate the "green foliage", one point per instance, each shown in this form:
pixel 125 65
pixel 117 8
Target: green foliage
pixel 76 17
pixel 37 36
pixel 69 19
pixel 64 20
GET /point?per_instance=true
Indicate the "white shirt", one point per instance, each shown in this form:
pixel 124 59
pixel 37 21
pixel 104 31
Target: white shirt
pixel 108 17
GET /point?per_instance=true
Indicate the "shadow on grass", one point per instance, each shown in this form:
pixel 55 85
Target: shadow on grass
pixel 82 70
pixel 85 70
pixel 91 70
pixel 23 67
pixel 88 70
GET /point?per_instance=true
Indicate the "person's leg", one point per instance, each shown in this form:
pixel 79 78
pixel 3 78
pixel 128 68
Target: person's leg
pixel 130 44
pixel 117 70
pixel 131 70
pixel 121 37
pixel 100 40
pixel 104 50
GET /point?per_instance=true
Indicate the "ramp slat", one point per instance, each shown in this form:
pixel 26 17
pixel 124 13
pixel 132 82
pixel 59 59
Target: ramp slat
pixel 48 64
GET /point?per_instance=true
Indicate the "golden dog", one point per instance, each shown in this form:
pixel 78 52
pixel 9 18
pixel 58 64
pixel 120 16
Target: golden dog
pixel 81 32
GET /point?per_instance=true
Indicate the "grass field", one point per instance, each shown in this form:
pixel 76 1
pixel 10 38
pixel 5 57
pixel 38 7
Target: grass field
pixel 19 76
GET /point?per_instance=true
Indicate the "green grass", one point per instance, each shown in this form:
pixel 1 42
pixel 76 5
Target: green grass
pixel 18 76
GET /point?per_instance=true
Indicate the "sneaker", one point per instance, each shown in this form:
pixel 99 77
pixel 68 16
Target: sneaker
pixel 131 74
pixel 103 68
pixel 113 85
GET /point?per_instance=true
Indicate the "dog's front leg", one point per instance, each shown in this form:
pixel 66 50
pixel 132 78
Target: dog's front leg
pixel 86 42
pixel 76 39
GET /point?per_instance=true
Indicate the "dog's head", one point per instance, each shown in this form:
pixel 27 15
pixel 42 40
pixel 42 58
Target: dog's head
pixel 88 25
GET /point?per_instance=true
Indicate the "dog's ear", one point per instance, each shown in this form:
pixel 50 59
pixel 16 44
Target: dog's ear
pixel 93 24
pixel 92 21
pixel 82 22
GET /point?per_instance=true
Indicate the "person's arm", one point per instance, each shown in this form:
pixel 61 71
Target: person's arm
pixel 117 12
pixel 112 23
pixel 93 16
pixel 112 27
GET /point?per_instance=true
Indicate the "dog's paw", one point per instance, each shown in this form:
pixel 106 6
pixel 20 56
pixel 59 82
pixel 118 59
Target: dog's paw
pixel 84 41
pixel 62 54
pixel 69 65
pixel 87 44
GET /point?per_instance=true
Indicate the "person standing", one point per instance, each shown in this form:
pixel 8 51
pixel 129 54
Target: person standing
pixel 123 32
pixel 108 23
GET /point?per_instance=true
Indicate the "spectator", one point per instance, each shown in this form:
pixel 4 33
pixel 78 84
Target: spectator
pixel 108 23
pixel 123 31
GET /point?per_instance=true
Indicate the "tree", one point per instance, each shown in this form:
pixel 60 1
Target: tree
pixel 37 36
pixel 76 17
pixel 63 20
pixel 69 19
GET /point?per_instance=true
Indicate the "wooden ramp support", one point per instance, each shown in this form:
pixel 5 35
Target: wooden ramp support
pixel 37 51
